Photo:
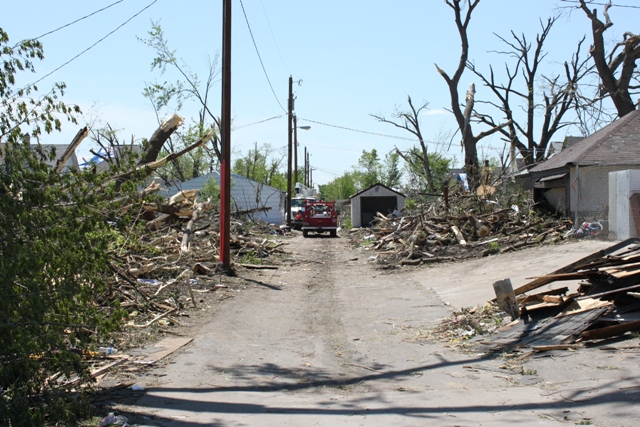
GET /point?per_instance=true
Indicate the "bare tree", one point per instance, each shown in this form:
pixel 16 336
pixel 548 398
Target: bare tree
pixel 617 68
pixel 559 94
pixel 463 118
pixel 409 121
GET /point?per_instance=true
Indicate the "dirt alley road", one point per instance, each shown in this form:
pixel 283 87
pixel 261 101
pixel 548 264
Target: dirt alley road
pixel 330 341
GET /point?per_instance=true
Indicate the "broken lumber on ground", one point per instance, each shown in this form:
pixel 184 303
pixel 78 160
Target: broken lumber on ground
pixel 602 306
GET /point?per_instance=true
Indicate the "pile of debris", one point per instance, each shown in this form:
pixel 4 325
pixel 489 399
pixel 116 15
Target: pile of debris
pixel 604 304
pixel 179 251
pixel 471 227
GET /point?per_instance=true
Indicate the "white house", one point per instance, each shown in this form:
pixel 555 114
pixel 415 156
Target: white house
pixel 245 194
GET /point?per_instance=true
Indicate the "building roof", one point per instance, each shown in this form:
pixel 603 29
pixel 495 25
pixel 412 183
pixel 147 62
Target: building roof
pixel 60 149
pixel 376 185
pixel 616 144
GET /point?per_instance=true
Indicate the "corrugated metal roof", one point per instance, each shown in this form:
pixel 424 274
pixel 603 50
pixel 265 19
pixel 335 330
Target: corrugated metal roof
pixel 615 144
pixel 245 194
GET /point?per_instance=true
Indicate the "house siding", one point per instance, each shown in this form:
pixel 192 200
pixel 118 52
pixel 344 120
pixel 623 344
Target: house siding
pixel 589 191
pixel 245 194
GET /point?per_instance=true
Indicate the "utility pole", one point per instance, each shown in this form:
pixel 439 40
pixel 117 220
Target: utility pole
pixel 306 174
pixel 225 139
pixel 289 151
pixel 295 149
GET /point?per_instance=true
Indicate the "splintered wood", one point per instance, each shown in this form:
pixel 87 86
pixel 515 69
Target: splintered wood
pixel 178 257
pixel 471 226
pixel 603 306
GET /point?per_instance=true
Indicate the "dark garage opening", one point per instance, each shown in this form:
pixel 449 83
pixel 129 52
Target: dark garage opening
pixel 370 205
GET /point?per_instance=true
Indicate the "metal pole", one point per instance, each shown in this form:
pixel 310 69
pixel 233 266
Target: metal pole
pixel 290 121
pixel 225 139
pixel 295 149
pixel 306 180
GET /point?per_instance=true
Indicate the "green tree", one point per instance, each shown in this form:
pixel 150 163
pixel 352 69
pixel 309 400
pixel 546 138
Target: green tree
pixel 57 247
pixel 391 172
pixel 369 169
pixel 440 167
pixel 340 188
pixel 262 164
pixel 18 106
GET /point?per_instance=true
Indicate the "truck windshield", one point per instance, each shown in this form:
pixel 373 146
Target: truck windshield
pixel 297 203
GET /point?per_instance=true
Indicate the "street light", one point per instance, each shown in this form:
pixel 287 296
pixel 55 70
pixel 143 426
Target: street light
pixel 295 146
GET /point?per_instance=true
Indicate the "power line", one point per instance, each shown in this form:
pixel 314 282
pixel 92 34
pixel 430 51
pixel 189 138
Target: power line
pixel 259 57
pixel 272 36
pixel 78 20
pixel 357 130
pixel 256 123
pixel 331 148
pixel 93 45
pixel 368 132
pixel 603 4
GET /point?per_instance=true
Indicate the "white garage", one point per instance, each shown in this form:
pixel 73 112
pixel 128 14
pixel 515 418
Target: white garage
pixel 377 198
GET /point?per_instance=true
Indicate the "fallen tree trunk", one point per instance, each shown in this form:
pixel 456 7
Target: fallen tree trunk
pixel 159 137
pixel 62 161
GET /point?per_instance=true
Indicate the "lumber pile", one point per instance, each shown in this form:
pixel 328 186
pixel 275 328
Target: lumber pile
pixel 594 298
pixel 603 303
pixel 606 294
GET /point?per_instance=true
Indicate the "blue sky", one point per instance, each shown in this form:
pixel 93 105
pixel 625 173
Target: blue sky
pixel 352 58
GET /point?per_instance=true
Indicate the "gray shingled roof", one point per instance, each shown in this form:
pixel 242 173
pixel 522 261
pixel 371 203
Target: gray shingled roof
pixel 616 144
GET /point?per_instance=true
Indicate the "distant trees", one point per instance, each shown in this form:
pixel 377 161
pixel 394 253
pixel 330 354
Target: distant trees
pixel 262 164
pixel 340 188
pixel 369 170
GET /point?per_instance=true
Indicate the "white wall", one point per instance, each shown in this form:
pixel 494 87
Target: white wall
pixel 623 184
pixel 245 194
pixel 379 191
pixel 589 191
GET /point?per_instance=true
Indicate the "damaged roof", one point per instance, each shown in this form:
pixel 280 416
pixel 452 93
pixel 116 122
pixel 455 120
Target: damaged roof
pixel 616 144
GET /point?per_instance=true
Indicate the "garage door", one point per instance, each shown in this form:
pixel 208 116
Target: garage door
pixel 370 205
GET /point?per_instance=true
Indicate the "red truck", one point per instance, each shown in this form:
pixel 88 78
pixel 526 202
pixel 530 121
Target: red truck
pixel 320 217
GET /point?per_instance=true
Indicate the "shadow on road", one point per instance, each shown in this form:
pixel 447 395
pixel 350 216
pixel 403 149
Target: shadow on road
pixel 167 397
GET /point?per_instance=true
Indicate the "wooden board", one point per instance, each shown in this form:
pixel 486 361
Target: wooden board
pixel 550 331
pixel 536 283
pixel 162 349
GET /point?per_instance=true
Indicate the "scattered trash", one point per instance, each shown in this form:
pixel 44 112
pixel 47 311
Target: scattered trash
pixel 137 387
pixel 107 351
pixel 151 282
pixel 587 229
pixel 462 179
pixel 113 420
